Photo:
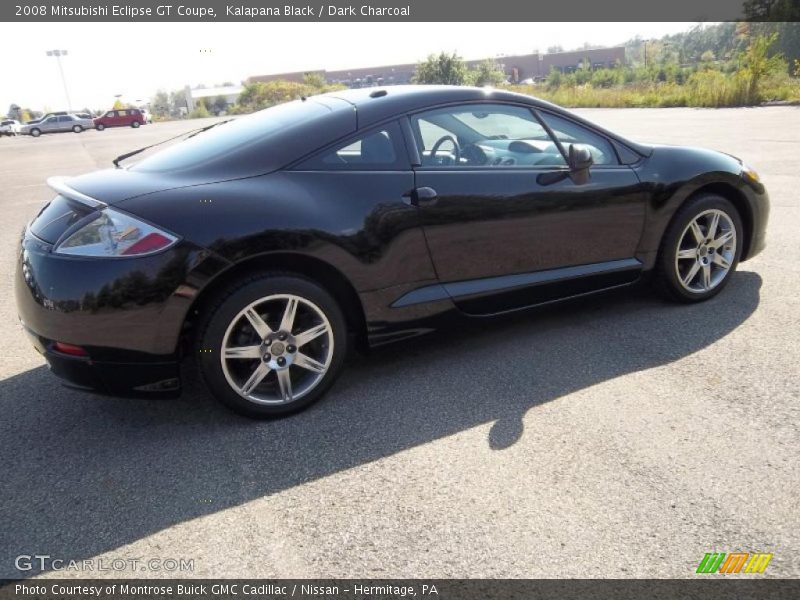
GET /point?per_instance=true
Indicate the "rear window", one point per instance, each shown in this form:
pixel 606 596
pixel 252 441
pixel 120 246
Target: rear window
pixel 233 136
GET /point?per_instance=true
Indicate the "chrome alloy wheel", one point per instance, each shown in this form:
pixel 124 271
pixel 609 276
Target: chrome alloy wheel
pixel 277 349
pixel 706 251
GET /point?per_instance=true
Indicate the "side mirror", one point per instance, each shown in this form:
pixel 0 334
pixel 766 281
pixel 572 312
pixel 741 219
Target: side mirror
pixel 580 158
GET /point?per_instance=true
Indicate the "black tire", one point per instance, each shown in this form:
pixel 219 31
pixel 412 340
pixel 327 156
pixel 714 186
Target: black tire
pixel 77 129
pixel 135 124
pixel 224 310
pixel 666 276
pixel 99 127
pixel 36 132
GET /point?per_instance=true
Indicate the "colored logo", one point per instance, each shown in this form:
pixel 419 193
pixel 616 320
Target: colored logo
pixel 735 562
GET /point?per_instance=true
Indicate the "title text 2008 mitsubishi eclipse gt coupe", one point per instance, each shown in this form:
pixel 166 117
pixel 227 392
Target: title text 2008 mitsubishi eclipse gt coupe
pixel 268 245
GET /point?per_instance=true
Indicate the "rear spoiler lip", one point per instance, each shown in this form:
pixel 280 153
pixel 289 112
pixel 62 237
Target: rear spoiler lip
pixel 60 184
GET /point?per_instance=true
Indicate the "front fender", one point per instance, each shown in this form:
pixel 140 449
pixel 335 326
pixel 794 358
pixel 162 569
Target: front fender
pixel 672 175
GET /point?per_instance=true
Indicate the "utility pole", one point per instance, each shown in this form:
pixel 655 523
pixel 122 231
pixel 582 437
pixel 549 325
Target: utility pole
pixel 58 54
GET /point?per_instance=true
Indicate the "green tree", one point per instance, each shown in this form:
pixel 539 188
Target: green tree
pixel 554 78
pixel 757 62
pixel 445 69
pixel 177 103
pixel 488 72
pixel 200 111
pixel 159 105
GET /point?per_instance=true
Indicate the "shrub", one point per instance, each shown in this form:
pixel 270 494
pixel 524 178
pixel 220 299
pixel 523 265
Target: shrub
pixel 263 94
pixel 200 111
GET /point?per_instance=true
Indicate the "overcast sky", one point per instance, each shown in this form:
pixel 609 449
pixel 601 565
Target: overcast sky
pixel 136 59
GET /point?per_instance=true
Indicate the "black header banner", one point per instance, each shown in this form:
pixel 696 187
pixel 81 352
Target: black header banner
pixel 398 589
pixel 399 10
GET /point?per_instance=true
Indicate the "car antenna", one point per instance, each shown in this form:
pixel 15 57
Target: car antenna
pixel 188 135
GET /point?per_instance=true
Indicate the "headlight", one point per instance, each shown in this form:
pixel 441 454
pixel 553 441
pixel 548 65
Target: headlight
pixel 750 173
pixel 114 234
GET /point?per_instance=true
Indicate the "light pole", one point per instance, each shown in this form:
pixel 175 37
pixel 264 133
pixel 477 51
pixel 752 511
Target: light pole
pixel 58 54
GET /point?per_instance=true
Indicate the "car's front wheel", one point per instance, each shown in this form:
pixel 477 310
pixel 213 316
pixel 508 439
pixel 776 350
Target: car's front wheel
pixel 99 127
pixel 700 249
pixel 36 132
pixel 77 129
pixel 272 346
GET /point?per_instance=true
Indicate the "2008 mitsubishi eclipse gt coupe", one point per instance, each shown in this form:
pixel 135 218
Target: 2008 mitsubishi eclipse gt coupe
pixel 267 246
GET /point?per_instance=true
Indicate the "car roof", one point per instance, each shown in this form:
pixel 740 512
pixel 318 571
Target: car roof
pixel 379 103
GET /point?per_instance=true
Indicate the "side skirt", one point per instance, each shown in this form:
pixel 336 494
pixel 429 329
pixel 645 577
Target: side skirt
pixel 498 295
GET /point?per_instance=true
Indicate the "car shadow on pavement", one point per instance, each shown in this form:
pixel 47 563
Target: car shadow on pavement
pixel 83 475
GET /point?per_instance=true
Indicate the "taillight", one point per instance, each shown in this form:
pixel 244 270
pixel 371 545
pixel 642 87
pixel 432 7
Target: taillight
pixel 115 234
pixel 152 242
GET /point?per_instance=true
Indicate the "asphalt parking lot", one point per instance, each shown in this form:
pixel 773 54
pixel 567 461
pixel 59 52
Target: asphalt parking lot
pixel 616 437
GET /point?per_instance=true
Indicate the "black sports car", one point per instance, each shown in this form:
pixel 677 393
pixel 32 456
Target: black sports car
pixel 269 245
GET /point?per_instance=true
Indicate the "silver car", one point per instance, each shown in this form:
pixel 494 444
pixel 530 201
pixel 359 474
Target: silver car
pixel 57 123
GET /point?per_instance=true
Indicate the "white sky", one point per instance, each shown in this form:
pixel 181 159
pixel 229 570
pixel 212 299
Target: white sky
pixel 136 59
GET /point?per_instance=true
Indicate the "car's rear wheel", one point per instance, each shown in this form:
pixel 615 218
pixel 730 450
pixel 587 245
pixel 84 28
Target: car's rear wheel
pixel 99 127
pixel 272 346
pixel 77 129
pixel 135 124
pixel 36 132
pixel 700 249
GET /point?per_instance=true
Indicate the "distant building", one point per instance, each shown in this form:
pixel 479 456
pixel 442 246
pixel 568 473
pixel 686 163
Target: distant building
pixel 517 68
pixel 229 92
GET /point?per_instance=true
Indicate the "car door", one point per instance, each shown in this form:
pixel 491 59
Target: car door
pixel 507 224
pixel 50 124
pixel 65 123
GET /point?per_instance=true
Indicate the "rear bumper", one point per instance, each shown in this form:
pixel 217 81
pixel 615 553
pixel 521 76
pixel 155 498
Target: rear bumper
pixel 126 314
pixel 140 379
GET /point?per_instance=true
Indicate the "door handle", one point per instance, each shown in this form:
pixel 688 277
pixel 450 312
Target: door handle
pixel 422 196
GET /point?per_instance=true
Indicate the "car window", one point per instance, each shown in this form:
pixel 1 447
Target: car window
pixel 569 132
pixel 51 120
pixel 380 149
pixel 65 118
pixel 484 135
pixel 109 114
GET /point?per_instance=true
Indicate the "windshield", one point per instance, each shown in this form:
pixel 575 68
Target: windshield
pixel 230 137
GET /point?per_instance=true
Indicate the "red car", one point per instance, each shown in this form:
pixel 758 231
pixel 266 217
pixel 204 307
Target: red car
pixel 124 117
